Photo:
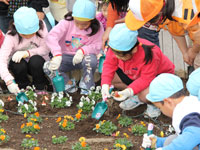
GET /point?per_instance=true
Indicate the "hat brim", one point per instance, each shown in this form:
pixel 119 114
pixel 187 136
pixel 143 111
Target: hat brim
pixel 132 23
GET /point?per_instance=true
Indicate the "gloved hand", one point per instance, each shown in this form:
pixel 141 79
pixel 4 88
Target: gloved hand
pixel 19 55
pixel 55 63
pixel 78 57
pixel 105 90
pixel 123 95
pixel 13 88
pixel 147 140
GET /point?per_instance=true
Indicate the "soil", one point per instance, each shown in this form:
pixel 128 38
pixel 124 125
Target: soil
pixel 84 128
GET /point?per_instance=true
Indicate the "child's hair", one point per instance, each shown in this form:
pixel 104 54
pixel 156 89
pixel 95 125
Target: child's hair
pixel 147 51
pixel 166 11
pixel 95 25
pixel 120 5
pixel 12 30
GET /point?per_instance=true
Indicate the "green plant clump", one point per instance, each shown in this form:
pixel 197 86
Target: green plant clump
pixel 59 140
pixel 118 145
pixel 125 121
pixel 138 130
pixel 29 143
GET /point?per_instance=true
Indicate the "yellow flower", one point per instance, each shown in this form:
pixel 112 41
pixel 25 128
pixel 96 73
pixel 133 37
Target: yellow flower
pixel 78 115
pixel 36 126
pixel 59 119
pixel 28 136
pixel 117 145
pixel 83 144
pixel 25 115
pixel 53 136
pixel 82 139
pixel 97 126
pixel 123 147
pixel 36 148
pixel 29 124
pixel 118 116
pixel 37 114
pixel 126 135
pixel 80 110
pixel 1 110
pixel 161 133
pixel 117 133
pixel 2 137
pixel 2 130
pixel 33 119
pixel 22 126
pixel 105 149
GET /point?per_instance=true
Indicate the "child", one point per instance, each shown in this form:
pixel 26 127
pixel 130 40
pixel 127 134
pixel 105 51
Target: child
pixel 193 83
pixel 74 43
pixel 25 39
pixel 167 93
pixel 102 16
pixel 131 64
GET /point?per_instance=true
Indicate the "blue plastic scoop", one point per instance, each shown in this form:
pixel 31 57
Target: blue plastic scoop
pixel 101 107
pixel 21 97
pixel 101 61
pixel 58 82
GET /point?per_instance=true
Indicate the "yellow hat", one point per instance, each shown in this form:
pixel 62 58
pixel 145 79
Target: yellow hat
pixel 141 11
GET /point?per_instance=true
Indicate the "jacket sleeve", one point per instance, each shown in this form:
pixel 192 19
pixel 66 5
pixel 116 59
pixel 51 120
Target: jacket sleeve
pixel 95 42
pixel 5 52
pixel 55 35
pixel 110 66
pixel 112 16
pixel 185 141
pixel 38 4
pixel 42 50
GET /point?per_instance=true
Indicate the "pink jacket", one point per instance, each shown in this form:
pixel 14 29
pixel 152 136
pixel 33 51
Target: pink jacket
pixel 35 45
pixel 102 19
pixel 66 38
pixel 135 68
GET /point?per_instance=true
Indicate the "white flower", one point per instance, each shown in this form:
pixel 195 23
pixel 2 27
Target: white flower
pixel 98 88
pixel 87 99
pixel 92 107
pixel 68 103
pixel 33 87
pixel 81 104
pixel 20 103
pixel 67 95
pixel 1 103
pixel 28 88
pixel 70 99
pixel 26 106
pixel 90 92
pixel 35 94
pixel 35 108
pixel 60 95
pixel 82 98
pixel 20 110
pixel 34 103
pixel 54 94
pixel 30 101
pixel 92 88
pixel 93 102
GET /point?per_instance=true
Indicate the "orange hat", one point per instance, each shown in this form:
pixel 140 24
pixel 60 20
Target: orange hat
pixel 141 11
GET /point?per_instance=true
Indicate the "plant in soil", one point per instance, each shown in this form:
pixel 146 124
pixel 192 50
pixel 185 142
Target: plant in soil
pixel 81 145
pixel 125 121
pixel 79 116
pixel 28 143
pixel 4 138
pixel 60 101
pixel 95 94
pixel 27 107
pixel 30 93
pixel 86 104
pixel 59 140
pixel 66 124
pixel 2 116
pixel 105 127
pixel 138 129
pixel 30 127
pixel 123 144
pixel 35 118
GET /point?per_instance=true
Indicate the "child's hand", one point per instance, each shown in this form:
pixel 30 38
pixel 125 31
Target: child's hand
pixel 123 95
pixel 147 140
pixel 78 57
pixel 19 55
pixel 55 63
pixel 5 1
pixel 13 88
pixel 105 90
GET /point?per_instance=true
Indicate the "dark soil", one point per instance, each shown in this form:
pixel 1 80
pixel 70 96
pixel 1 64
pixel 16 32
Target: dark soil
pixel 84 128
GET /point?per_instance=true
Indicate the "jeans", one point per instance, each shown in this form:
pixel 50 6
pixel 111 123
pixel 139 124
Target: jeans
pixel 4 23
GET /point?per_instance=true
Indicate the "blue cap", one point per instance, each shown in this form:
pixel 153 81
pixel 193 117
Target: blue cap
pixel 26 20
pixel 193 83
pixel 164 86
pixel 84 9
pixel 121 38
